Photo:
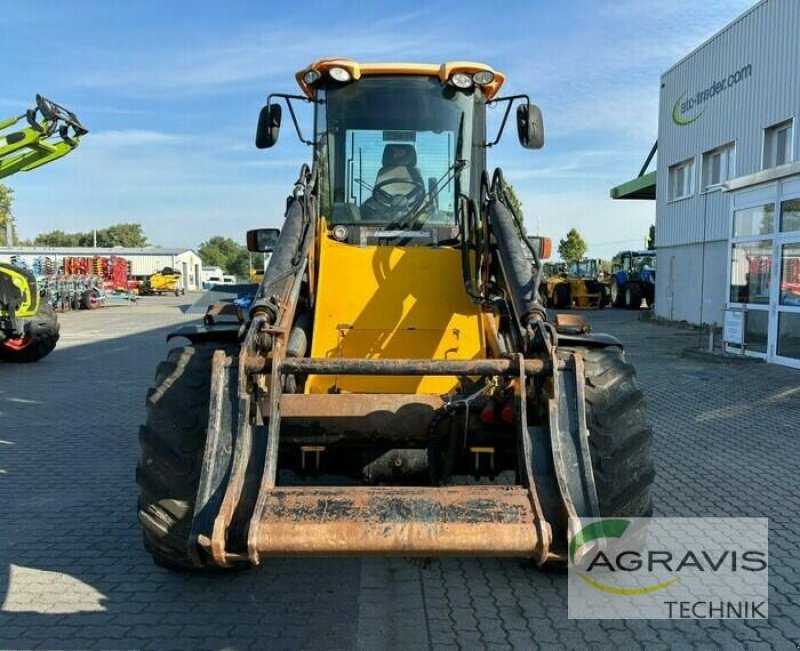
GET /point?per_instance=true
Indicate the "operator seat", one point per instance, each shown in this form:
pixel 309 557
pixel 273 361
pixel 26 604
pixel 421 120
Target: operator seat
pixel 399 162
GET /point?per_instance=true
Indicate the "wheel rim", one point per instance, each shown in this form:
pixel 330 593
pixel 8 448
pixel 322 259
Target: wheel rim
pixel 17 344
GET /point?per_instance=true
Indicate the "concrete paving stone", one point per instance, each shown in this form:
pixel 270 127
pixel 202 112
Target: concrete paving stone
pixel 493 632
pixel 441 636
pixel 469 639
pixel 114 644
pixel 441 614
pixel 521 640
pixel 492 646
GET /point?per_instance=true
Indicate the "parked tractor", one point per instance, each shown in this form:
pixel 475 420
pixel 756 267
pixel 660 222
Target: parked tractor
pixel 28 326
pixel 395 350
pixel 633 279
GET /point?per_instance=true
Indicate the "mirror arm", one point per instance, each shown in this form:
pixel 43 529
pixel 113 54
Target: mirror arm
pixel 510 101
pixel 287 99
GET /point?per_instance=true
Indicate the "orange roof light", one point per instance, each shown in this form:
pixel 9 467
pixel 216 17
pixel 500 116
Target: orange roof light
pixel 484 76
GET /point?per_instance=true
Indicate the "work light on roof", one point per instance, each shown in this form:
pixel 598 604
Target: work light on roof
pixel 311 77
pixel 461 80
pixel 483 77
pixel 339 74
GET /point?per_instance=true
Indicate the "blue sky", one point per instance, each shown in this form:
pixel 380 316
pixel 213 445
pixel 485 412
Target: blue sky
pixel 171 92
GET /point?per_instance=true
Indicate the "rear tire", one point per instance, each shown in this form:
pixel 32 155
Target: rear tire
pixel 633 296
pixel 90 299
pixel 619 435
pixel 32 348
pixel 617 294
pixel 561 297
pixel 172 442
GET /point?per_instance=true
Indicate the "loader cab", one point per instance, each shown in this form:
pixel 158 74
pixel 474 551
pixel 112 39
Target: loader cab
pixel 396 151
pixel 398 146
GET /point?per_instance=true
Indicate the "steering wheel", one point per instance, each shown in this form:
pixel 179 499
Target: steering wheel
pixel 398 201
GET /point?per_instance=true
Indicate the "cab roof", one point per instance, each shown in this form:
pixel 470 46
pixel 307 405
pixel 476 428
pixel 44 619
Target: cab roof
pixel 443 71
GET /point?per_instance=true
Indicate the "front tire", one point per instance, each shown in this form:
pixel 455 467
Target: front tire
pixel 172 442
pixel 561 297
pixel 633 296
pixel 617 296
pixel 32 348
pixel 90 299
pixel 619 435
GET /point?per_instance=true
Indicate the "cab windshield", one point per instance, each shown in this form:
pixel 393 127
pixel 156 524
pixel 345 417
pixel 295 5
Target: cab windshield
pixel 392 150
pixel 583 268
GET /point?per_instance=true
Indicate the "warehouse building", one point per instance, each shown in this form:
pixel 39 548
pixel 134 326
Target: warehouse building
pixel 144 261
pixel 727 185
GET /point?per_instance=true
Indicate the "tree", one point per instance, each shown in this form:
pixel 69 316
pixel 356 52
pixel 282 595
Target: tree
pixel 513 200
pixel 572 247
pixel 6 199
pixel 127 235
pixel 651 238
pixel 224 252
pixel 57 238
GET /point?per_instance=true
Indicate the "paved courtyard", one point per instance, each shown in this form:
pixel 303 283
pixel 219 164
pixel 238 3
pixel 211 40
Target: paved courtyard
pixel 73 573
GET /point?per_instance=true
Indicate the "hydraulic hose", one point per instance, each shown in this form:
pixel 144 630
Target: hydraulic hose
pixel 290 251
pixel 517 268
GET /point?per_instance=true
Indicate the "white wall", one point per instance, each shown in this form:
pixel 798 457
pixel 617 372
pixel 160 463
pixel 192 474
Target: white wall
pixel 691 282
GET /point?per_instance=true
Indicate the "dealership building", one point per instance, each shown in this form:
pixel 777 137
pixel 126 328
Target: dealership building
pixel 727 185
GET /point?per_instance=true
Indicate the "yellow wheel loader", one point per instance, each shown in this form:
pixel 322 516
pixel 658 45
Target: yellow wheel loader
pixel 166 281
pixel 395 387
pixel 577 284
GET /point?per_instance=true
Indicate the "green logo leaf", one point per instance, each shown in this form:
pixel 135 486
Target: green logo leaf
pixel 676 113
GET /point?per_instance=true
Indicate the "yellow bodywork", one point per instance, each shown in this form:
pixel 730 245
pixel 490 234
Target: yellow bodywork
pixel 30 297
pixel 164 282
pixel 384 302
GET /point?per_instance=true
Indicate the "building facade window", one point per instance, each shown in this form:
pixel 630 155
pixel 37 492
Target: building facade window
pixel 719 165
pixel 790 215
pixel 778 144
pixel 681 179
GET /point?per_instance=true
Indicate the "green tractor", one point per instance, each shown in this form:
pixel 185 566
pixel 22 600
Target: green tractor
pixel 28 326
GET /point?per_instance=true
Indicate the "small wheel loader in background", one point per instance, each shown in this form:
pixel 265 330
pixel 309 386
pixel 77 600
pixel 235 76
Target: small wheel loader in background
pixel 166 281
pixel 577 284
pixel 28 327
pixel 395 351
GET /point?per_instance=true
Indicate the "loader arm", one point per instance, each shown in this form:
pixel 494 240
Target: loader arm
pixel 51 133
pixel 505 520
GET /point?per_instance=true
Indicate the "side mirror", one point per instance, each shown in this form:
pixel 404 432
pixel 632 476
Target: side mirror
pixel 530 126
pixel 543 246
pixel 269 126
pixel 262 240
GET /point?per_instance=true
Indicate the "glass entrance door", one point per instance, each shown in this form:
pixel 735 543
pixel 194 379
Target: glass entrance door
pixel 785 321
pixel 785 313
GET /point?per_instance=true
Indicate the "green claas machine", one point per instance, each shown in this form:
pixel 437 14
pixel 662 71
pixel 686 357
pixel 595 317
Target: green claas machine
pixel 28 328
